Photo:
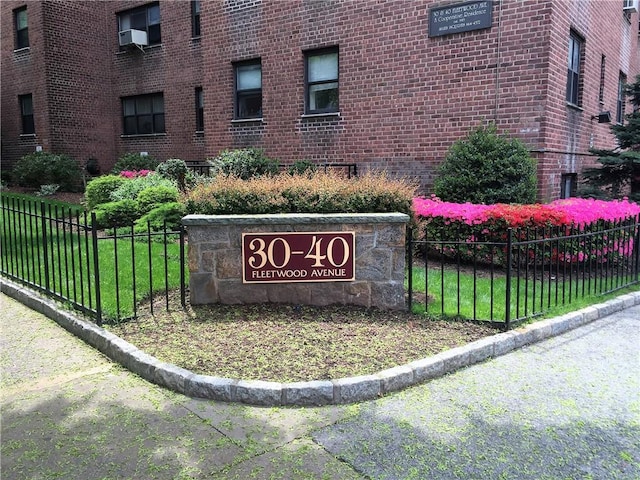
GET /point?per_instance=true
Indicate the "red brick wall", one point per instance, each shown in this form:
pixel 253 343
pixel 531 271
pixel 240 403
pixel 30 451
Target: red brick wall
pixel 174 68
pixel 77 76
pixel 23 72
pixel 405 97
pixel 78 84
pixel 569 132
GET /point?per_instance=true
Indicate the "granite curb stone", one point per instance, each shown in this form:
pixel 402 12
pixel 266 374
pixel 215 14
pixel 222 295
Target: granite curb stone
pixel 320 392
pixel 317 392
pixel 204 386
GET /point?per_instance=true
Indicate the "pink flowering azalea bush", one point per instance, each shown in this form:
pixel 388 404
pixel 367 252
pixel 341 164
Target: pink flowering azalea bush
pixel 134 173
pixel 477 225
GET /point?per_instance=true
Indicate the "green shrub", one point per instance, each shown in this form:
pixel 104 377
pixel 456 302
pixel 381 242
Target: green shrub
pixel 152 197
pixel 5 178
pixel 135 162
pixel 42 168
pixel 245 164
pixel 321 192
pixel 117 214
pixel 302 167
pixel 177 170
pixel 169 213
pixel 99 189
pixel 487 168
pixel 132 187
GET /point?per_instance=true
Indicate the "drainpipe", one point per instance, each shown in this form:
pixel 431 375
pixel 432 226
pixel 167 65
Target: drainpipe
pixel 499 60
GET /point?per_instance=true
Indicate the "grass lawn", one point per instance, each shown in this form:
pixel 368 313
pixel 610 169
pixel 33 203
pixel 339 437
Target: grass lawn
pixel 448 293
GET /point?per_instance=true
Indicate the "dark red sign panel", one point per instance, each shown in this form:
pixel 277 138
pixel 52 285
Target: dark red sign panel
pixel 298 257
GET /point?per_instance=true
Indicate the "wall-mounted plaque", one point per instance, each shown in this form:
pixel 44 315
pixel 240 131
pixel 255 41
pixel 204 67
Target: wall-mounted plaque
pixel 460 17
pixel 298 257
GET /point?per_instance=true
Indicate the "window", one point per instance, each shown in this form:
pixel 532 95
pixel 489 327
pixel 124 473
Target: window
pixel 22 28
pixel 195 18
pixel 143 114
pixel 622 80
pixel 602 79
pixel 573 72
pixel 199 110
pixel 26 112
pixel 321 82
pixel 568 187
pixel 145 18
pixel 248 90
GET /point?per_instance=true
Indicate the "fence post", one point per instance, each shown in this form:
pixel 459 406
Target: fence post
pixel 410 266
pixel 507 310
pixel 96 267
pixel 183 288
pixel 45 251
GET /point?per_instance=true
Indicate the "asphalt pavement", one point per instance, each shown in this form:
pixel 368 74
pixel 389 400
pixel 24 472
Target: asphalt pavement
pixel 566 407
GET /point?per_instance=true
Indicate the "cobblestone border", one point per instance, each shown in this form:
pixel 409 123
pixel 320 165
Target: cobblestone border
pixel 322 392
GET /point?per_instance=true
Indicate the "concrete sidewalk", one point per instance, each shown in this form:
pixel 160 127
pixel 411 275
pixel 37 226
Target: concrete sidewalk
pixel 567 407
pixel 69 412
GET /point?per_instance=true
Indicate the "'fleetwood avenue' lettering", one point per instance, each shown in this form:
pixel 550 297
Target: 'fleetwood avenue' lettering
pixel 285 274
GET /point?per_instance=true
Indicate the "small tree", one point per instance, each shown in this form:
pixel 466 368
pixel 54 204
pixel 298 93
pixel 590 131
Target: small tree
pixel 487 168
pixel 619 168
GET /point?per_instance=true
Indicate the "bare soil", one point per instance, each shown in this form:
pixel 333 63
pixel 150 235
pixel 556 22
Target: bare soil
pixel 288 343
pixel 76 198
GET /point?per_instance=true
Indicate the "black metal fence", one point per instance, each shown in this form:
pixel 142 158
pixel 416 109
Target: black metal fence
pixel 465 273
pixel 111 275
pixel 106 274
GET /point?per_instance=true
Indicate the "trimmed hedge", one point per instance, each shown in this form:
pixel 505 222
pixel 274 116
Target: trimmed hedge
pixel 168 214
pixel 99 189
pixel 132 187
pixel 117 214
pixel 153 197
pixel 319 192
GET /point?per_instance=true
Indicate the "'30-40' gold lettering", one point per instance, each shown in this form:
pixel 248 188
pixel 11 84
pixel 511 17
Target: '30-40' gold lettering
pixel 264 253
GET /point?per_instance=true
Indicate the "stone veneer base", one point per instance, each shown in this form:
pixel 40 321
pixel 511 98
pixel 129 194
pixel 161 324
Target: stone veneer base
pixel 216 270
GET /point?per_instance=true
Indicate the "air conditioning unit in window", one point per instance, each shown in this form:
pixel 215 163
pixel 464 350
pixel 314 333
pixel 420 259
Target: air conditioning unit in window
pixel 630 6
pixel 133 37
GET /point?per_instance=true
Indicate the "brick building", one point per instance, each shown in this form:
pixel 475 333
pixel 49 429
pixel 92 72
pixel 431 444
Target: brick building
pixel 384 84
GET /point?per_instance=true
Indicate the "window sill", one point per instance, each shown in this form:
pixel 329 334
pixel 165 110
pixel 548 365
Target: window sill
pixel 243 121
pixel 199 133
pixel 573 106
pixel 22 50
pixel 27 135
pixel 196 39
pixel 311 116
pixel 144 135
